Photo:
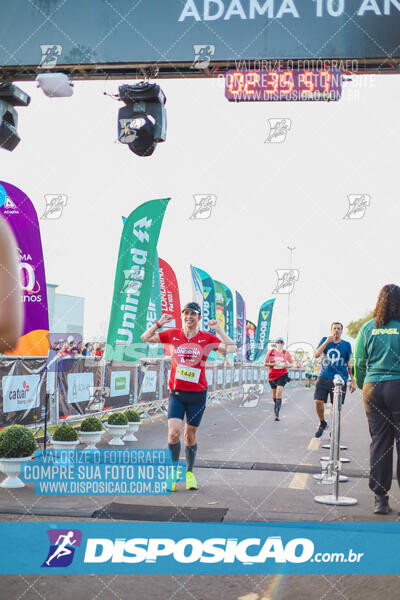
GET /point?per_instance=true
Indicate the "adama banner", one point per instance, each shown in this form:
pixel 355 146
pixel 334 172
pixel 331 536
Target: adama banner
pixel 263 328
pixel 133 280
pixel 20 214
pixel 249 29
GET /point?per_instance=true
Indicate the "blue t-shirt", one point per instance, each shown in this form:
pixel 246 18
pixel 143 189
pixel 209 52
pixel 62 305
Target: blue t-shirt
pixel 335 359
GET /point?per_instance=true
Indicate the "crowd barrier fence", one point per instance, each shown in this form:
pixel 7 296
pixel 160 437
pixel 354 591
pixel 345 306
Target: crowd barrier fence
pixel 80 386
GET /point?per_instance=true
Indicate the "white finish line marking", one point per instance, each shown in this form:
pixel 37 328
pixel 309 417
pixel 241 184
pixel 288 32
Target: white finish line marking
pixel 299 481
pixel 314 444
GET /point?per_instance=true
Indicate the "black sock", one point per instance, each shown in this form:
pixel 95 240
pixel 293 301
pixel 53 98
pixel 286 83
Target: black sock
pixel 175 450
pixel 190 453
pixel 278 405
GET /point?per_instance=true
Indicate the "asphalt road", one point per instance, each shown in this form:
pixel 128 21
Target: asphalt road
pixel 255 469
pixel 249 465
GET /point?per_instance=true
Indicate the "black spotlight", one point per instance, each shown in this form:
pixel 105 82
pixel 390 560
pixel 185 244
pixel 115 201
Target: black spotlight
pixel 142 122
pixel 10 96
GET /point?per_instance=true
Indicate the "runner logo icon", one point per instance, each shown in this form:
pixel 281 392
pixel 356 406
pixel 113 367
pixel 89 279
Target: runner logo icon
pixel 204 204
pixel 62 547
pixel 55 204
pixel 278 130
pixel 202 55
pixel 50 54
pixel 358 204
pixel 286 281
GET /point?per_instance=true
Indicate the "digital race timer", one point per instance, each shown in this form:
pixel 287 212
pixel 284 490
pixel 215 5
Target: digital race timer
pixel 278 85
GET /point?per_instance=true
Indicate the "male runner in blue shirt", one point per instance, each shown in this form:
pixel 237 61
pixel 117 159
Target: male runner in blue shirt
pixel 336 361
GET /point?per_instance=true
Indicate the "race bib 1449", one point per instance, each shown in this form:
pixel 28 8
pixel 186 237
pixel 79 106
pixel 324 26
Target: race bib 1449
pixel 187 373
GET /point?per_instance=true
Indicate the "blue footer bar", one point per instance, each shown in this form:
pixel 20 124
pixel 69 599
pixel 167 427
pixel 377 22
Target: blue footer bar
pixel 204 548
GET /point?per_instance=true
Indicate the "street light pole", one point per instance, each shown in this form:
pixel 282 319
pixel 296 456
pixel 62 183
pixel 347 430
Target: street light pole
pixel 291 250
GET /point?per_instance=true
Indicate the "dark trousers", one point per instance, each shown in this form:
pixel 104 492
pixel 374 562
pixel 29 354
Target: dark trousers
pixel 382 406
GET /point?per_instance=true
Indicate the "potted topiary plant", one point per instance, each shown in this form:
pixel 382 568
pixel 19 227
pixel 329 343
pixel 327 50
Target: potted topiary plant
pixel 17 444
pixel 90 432
pixel 133 423
pixel 65 438
pixel 117 426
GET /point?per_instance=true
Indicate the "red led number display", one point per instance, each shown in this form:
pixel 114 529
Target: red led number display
pixel 292 84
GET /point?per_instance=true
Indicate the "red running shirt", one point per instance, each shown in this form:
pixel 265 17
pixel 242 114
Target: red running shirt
pixel 189 358
pixel 278 358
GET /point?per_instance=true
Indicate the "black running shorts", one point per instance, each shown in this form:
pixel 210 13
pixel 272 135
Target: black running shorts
pixel 282 381
pixel 324 388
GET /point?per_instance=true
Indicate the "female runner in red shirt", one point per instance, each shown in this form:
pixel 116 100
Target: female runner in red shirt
pixel 188 384
pixel 277 360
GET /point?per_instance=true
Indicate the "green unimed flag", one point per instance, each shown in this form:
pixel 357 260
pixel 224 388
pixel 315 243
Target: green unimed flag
pixel 133 281
pixel 154 311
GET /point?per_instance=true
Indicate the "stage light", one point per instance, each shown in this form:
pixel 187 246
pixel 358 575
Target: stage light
pixel 142 122
pixel 55 85
pixel 10 96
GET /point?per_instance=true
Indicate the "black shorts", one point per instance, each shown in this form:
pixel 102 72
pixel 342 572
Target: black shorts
pixel 283 380
pixel 189 404
pixel 324 388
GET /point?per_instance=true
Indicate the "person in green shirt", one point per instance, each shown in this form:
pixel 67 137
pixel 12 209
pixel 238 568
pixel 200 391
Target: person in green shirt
pixel 377 373
pixel 308 368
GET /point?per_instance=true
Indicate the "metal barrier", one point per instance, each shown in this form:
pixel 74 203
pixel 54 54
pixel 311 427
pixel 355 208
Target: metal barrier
pixel 38 390
pixel 22 390
pixel 296 375
pixel 331 466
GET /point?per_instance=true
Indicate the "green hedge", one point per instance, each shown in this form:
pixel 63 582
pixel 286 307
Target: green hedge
pixel 65 433
pixel 118 418
pixel 16 441
pixel 91 424
pixel 132 415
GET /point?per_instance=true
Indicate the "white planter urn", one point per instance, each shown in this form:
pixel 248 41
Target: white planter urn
pixel 63 458
pixel 116 432
pixel 58 445
pixel 11 467
pixel 91 438
pixel 133 427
